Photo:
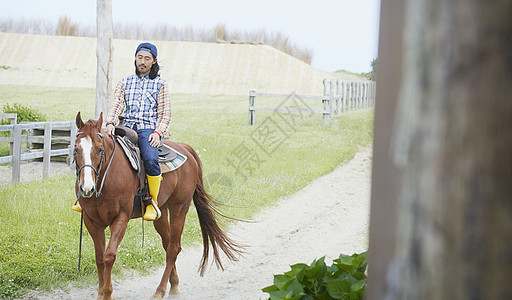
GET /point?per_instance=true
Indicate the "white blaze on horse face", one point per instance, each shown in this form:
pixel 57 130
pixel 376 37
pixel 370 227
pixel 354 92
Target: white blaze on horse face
pixel 88 183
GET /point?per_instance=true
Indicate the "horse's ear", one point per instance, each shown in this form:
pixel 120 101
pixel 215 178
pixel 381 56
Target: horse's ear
pixel 79 123
pixel 100 119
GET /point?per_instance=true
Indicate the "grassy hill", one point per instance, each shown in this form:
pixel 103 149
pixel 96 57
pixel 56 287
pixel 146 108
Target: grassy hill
pixel 190 67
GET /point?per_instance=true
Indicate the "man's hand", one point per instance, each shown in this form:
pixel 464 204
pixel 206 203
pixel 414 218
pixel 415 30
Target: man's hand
pixel 110 129
pixel 154 139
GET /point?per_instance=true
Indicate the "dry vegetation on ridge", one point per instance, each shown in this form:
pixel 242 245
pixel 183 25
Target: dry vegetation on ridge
pixel 218 34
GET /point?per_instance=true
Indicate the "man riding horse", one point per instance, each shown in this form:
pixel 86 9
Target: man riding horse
pixel 144 99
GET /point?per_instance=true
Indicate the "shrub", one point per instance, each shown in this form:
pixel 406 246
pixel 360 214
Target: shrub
pixel 345 279
pixel 25 113
pixel 66 27
pixel 219 32
pixel 373 73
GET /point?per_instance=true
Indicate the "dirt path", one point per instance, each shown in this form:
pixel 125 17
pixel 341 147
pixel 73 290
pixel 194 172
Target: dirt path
pixel 328 217
pixel 33 171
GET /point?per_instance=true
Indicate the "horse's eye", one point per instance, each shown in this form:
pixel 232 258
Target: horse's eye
pixel 100 134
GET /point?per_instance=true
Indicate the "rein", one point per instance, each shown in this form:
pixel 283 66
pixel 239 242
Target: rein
pixel 108 167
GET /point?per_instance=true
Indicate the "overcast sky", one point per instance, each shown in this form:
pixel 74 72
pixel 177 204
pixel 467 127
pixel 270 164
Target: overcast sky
pixel 342 34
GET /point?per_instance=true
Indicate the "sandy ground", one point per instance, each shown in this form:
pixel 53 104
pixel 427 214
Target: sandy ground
pixel 33 171
pixel 328 217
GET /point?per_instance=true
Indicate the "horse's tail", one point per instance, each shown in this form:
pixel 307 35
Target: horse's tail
pixel 210 229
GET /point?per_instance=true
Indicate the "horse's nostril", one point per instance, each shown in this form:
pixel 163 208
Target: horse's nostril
pixel 86 193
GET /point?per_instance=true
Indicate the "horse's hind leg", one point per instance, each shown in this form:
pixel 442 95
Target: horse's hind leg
pixel 163 227
pixel 178 213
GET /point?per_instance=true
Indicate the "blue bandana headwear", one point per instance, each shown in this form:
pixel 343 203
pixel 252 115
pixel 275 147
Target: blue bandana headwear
pixel 147 47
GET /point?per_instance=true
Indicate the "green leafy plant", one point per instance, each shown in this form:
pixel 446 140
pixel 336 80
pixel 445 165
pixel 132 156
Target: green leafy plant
pixel 25 113
pixel 344 279
pixel 373 73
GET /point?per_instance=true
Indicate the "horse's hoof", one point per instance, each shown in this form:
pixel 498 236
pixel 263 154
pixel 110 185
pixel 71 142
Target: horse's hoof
pixel 174 291
pixel 157 295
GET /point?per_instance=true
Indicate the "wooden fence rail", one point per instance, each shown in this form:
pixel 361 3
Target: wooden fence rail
pixel 351 95
pixel 16 138
pixel 13 120
pixel 339 96
pixel 253 108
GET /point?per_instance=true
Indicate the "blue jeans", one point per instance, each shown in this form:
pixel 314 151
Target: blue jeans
pixel 148 154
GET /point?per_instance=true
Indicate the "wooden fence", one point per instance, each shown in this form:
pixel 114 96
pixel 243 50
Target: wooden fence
pixel 339 96
pixel 52 134
pixel 351 95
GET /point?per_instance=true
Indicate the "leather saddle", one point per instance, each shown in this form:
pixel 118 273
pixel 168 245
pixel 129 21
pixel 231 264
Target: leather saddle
pixel 165 153
pixel 127 138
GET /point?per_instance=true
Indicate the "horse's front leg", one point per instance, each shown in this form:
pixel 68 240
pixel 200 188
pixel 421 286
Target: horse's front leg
pixel 117 231
pixel 98 236
pixel 174 280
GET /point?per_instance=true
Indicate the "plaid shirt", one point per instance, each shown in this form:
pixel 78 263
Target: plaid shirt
pixel 145 103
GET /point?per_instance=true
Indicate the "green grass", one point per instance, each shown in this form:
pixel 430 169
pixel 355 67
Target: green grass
pixel 39 232
pixel 4 149
pixel 56 104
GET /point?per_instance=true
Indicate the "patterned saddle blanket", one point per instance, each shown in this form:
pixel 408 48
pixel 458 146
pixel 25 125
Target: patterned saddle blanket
pixel 168 158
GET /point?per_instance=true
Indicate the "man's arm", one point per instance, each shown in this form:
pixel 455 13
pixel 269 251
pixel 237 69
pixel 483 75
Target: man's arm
pixel 117 107
pixel 163 110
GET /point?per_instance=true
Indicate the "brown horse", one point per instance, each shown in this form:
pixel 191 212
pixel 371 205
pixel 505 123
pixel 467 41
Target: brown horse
pixel 106 185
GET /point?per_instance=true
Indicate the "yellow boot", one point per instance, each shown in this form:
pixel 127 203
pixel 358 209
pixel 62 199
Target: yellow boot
pixel 76 207
pixel 152 210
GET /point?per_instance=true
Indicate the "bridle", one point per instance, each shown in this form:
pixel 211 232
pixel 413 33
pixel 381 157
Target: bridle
pixel 96 170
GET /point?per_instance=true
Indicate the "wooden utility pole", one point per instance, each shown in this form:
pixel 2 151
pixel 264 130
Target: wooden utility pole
pixel 104 54
pixel 385 175
pixel 449 152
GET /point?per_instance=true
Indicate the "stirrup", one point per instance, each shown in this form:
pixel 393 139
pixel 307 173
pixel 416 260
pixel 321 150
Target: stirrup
pixel 152 212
